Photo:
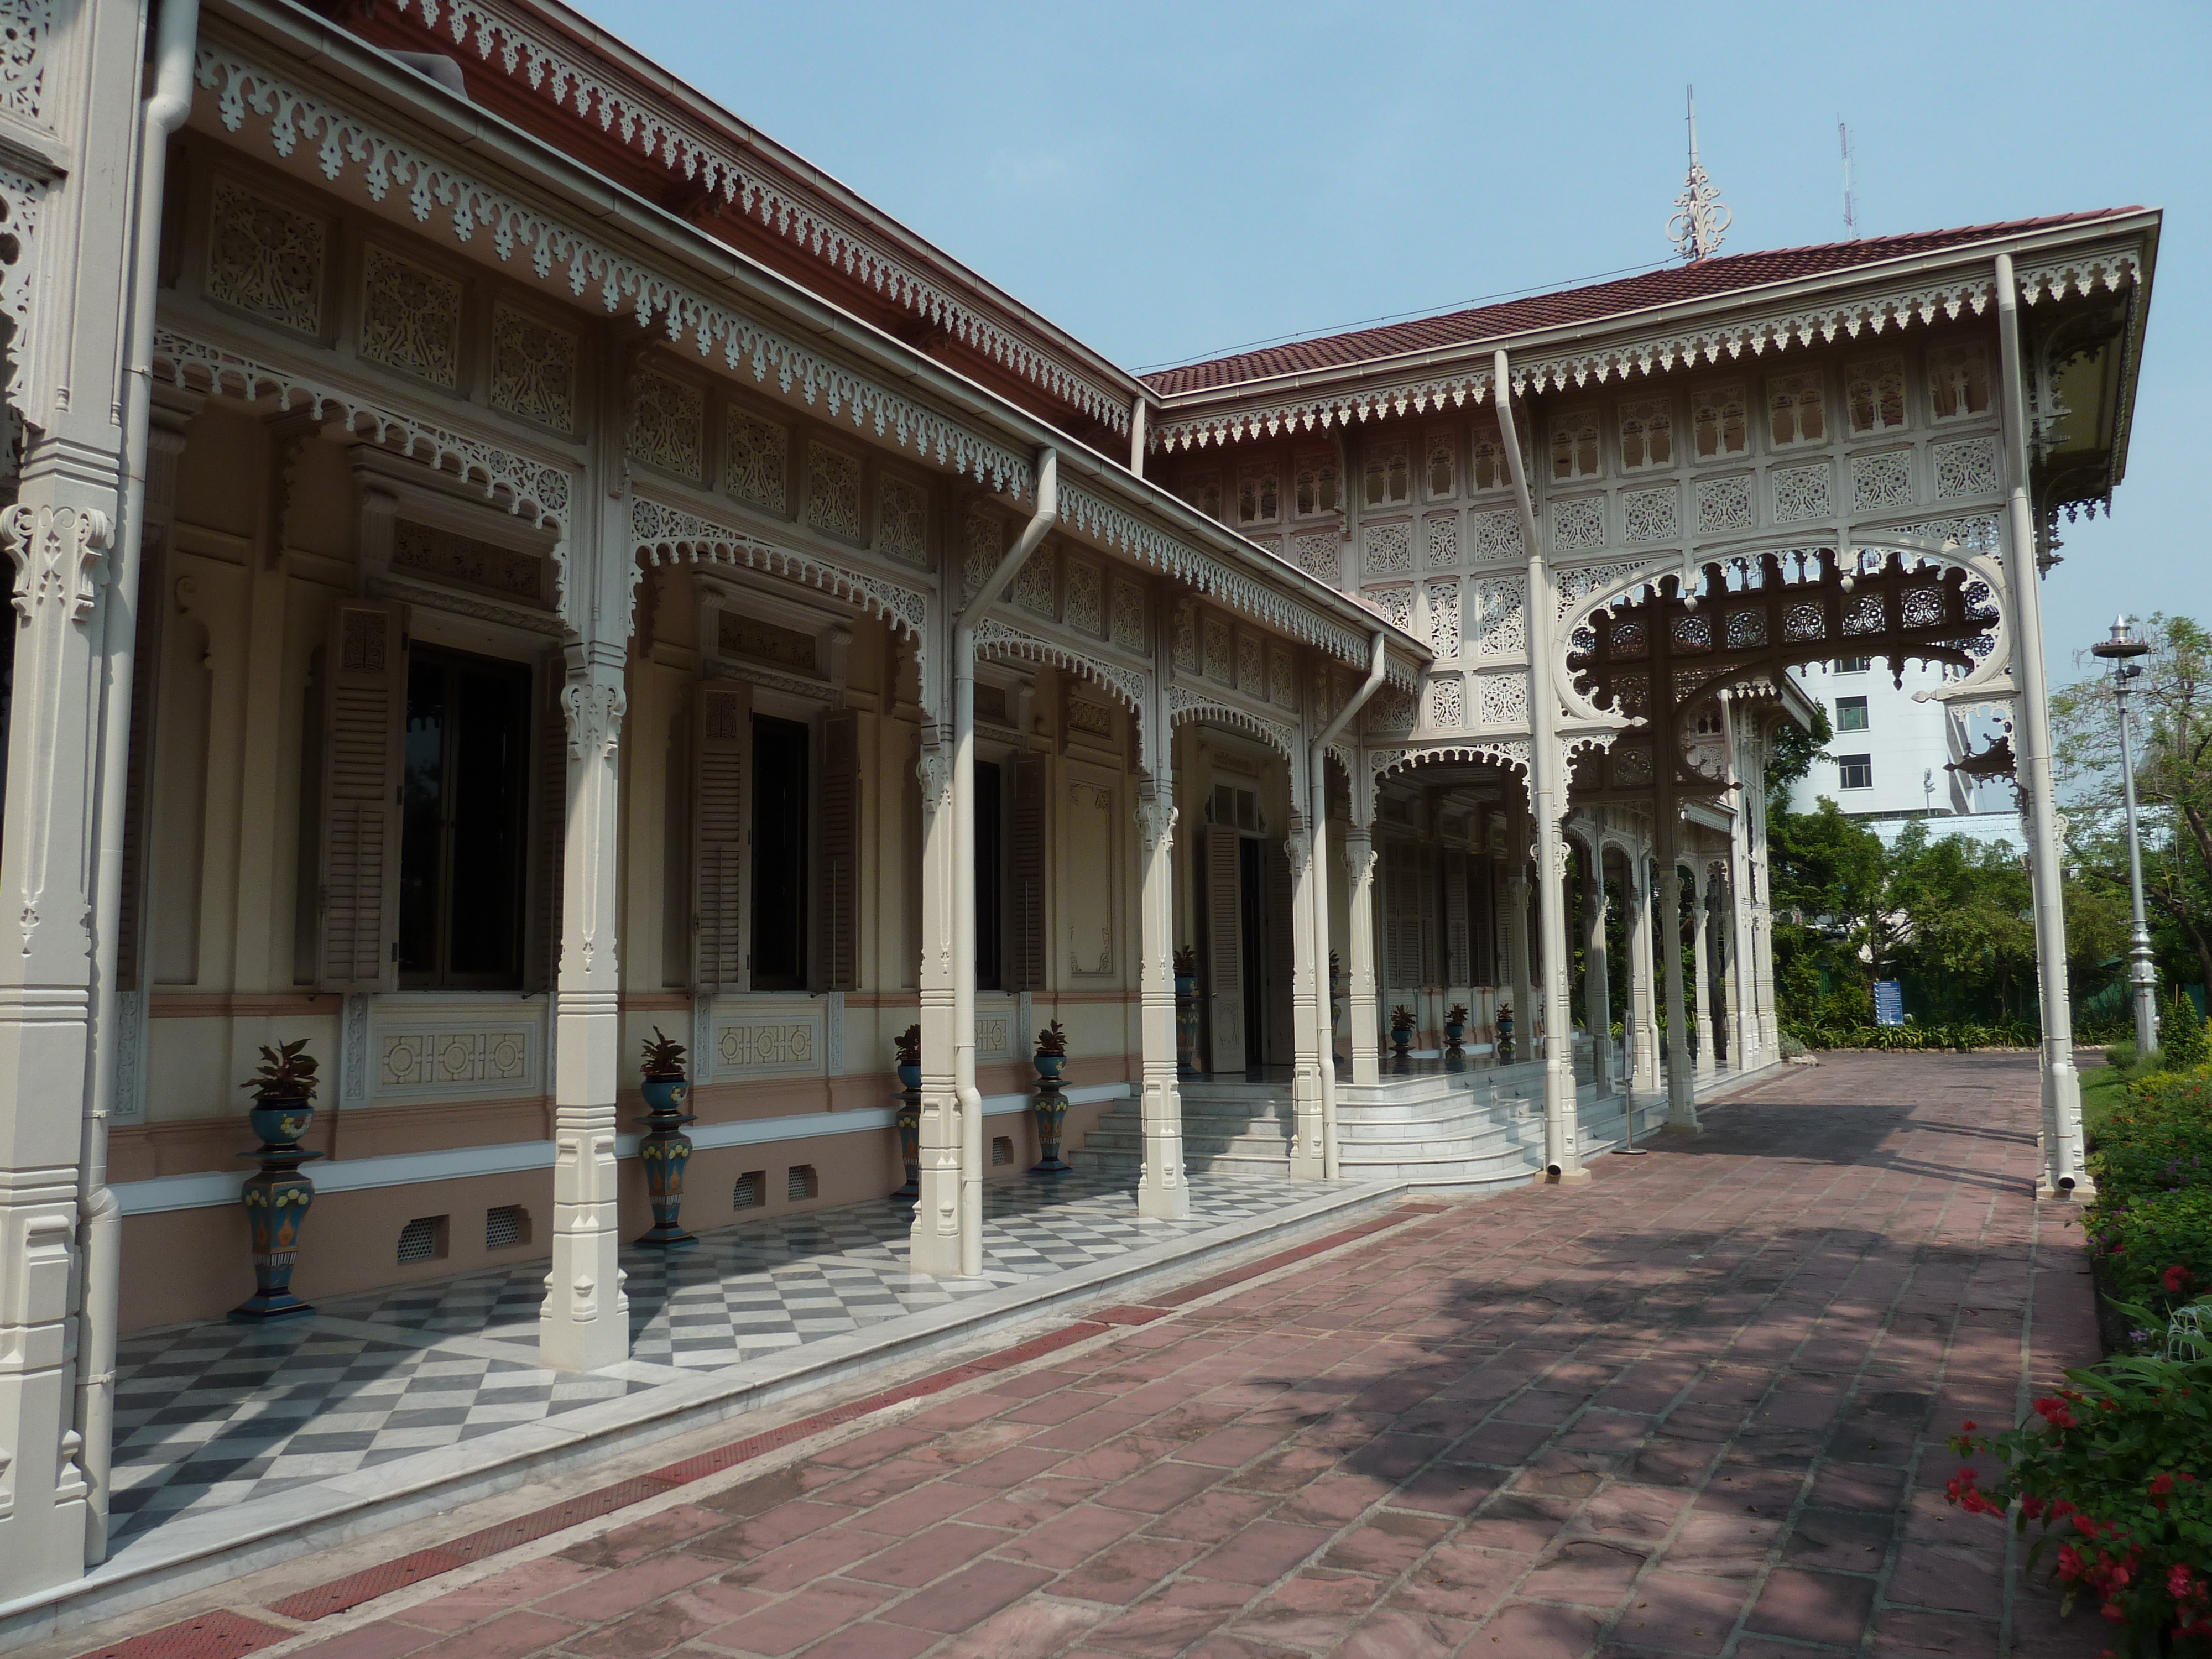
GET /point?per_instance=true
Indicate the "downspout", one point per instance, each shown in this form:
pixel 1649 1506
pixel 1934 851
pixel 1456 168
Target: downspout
pixel 2061 1085
pixel 1561 1161
pixel 1138 436
pixel 99 1214
pixel 1317 797
pixel 964 855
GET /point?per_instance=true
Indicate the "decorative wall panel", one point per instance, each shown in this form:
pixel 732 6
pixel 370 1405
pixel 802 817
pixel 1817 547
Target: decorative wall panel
pixel 1086 600
pixel 1090 846
pixel 445 1058
pixel 1801 493
pixel 757 461
pixel 1499 627
pixel 767 1040
pixel 1579 526
pixel 903 520
pixel 265 259
pixel 1130 631
pixel 1723 505
pixel 1498 536
pixel 1444 541
pixel 410 318
pixel 832 492
pixel 1966 468
pixel 667 424
pixel 1880 483
pixel 533 369
pixel 1651 515
pixel 1389 550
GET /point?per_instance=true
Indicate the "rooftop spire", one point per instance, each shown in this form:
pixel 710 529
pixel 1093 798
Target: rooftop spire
pixel 1700 217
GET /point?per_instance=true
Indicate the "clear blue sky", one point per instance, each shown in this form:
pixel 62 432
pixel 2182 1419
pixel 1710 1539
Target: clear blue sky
pixel 1172 181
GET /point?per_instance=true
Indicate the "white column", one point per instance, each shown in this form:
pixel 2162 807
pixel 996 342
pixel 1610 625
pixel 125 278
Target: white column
pixel 584 1322
pixel 1162 1193
pixel 1359 1010
pixel 1732 986
pixel 1597 982
pixel 1681 1099
pixel 936 1234
pixel 1515 917
pixel 1644 1077
pixel 1745 1047
pixel 2063 1169
pixel 1310 1146
pixel 1702 958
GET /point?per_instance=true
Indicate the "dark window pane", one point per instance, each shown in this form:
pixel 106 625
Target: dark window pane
pixel 422 815
pixel 491 775
pixel 780 873
pixel 990 881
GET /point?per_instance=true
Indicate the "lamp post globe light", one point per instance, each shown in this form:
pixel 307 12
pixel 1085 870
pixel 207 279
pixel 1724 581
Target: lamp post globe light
pixel 2120 650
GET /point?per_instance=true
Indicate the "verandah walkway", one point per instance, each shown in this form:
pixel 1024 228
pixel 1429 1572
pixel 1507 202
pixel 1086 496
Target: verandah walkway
pixel 1697 1406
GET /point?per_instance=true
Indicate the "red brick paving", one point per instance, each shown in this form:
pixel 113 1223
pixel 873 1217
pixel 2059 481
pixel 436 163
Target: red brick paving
pixel 1697 1406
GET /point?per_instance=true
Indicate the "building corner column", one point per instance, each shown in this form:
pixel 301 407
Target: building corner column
pixel 1701 953
pixel 1310 1144
pixel 1644 1077
pixel 583 1324
pixel 1163 1191
pixel 1597 981
pixel 1359 926
pixel 1681 1086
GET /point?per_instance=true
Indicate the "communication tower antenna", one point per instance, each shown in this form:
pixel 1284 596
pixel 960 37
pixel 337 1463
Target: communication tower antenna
pixel 1850 184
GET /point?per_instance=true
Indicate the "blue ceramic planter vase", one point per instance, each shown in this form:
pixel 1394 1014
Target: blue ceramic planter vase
pixel 277 1198
pixel 664 1152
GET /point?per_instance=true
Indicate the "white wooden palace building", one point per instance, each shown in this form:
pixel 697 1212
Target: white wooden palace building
pixel 508 558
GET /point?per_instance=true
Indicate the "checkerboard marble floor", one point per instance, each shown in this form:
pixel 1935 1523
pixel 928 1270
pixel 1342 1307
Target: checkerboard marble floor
pixel 214 1414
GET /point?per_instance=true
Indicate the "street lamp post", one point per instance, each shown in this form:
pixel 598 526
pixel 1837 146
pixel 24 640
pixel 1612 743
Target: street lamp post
pixel 2120 650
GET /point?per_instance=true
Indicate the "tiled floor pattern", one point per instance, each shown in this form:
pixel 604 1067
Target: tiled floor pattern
pixel 1696 1408
pixel 214 1414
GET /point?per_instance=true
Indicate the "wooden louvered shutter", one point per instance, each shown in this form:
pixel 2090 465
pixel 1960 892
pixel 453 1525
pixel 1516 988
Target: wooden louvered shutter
pixel 1224 948
pixel 549 832
pixel 1402 905
pixel 145 684
pixel 364 729
pixel 721 831
pixel 837 843
pixel 1482 908
pixel 1282 955
pixel 1458 967
pixel 1025 878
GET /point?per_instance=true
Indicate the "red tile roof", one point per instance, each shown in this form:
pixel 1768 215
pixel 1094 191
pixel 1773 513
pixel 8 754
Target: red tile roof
pixel 1701 279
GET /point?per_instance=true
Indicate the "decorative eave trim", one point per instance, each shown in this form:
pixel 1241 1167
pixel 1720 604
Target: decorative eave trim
pixel 688 153
pixel 342 140
pixel 1185 704
pixel 1132 686
pixel 529 487
pixel 1813 321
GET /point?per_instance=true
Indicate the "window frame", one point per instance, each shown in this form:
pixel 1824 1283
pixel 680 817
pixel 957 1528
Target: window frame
pixel 1845 706
pixel 1858 665
pixel 1845 764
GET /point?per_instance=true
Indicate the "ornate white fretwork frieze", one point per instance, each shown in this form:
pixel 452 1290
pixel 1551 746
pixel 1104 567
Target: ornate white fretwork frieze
pixel 1104 522
pixel 529 487
pixel 1185 704
pixel 1501 751
pixel 528 55
pixel 1128 685
pixel 556 251
pixel 664 534
pixel 1819 322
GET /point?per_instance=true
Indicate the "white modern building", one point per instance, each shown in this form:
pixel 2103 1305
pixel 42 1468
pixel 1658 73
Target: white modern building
pixel 1889 756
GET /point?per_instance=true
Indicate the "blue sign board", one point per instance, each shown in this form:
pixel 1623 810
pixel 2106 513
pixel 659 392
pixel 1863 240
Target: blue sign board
pixel 1888 1002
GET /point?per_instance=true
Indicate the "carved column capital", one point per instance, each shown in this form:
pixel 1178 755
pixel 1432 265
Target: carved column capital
pixel 58 550
pixel 1156 821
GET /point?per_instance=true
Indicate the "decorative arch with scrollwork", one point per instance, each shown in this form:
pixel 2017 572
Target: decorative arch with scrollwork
pixel 1128 686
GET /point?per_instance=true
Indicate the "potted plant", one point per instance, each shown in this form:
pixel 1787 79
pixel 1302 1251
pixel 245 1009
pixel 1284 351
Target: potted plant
pixel 1504 1034
pixel 908 1118
pixel 1186 995
pixel 1401 1030
pixel 666 1149
pixel 276 1195
pixel 1051 1107
pixel 1455 1025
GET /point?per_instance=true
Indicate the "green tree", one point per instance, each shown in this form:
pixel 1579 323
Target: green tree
pixel 2173 706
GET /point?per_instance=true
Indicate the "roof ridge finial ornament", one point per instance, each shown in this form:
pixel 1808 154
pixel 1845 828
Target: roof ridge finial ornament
pixel 1700 218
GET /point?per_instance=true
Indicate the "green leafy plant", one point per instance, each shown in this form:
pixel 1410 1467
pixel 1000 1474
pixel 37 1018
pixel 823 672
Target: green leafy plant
pixel 2111 1469
pixel 1457 1014
pixel 1186 963
pixel 1052 1040
pixel 287 1073
pixel 909 1044
pixel 2154 1254
pixel 2181 1038
pixel 664 1056
pixel 1402 1019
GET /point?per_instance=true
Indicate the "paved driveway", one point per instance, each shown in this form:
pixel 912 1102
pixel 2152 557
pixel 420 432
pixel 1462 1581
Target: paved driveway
pixel 1696 1407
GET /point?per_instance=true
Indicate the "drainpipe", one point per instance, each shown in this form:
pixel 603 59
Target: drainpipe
pixel 1138 422
pixel 964 856
pixel 1317 798
pixel 1562 1154
pixel 100 1215
pixel 2062 1172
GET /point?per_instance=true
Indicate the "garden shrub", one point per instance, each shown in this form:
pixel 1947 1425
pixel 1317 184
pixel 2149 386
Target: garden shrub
pixel 2157 1140
pixel 2181 1036
pixel 1959 1038
pixel 2154 1252
pixel 2112 1469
